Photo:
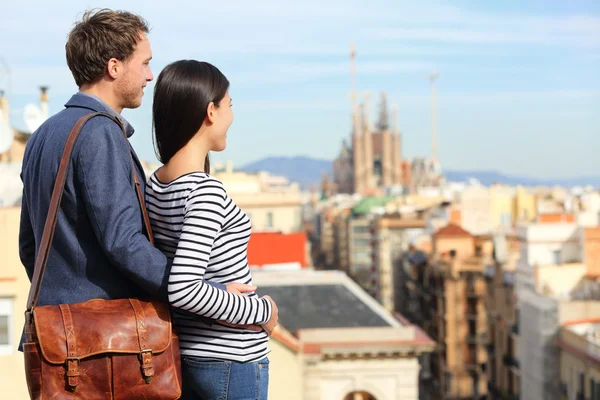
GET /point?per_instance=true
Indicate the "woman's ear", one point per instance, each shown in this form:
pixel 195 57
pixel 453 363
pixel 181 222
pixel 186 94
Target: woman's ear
pixel 211 112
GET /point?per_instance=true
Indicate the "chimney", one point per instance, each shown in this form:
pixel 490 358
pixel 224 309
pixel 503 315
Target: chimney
pixel 44 101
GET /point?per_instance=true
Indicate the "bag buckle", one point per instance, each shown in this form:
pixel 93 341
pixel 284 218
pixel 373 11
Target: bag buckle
pixel 72 374
pixel 146 365
pixel 141 354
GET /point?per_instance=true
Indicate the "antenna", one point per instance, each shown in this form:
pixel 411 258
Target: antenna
pixel 352 73
pixel 432 77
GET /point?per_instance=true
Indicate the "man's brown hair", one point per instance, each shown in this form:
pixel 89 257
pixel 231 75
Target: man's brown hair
pixel 102 34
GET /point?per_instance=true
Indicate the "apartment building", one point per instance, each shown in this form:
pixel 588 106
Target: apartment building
pixel 445 294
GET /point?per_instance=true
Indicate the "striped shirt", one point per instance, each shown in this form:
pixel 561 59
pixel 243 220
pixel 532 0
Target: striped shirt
pixel 206 235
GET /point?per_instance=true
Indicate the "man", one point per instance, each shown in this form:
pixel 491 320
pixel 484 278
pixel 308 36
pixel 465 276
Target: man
pixel 99 249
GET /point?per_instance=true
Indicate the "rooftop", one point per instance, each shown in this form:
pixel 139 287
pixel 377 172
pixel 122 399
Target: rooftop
pixel 589 330
pixel 321 299
pixel 451 230
pixel 267 248
pixel 366 204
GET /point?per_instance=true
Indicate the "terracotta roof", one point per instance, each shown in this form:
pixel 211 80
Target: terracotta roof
pixel 451 230
pixel 555 217
pixel 286 338
pixel 277 248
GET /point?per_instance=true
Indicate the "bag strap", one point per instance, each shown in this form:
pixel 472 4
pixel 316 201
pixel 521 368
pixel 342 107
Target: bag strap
pixel 59 185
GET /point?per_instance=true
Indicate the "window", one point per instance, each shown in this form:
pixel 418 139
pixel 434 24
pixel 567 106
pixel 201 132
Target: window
pixel 6 309
pixel 269 219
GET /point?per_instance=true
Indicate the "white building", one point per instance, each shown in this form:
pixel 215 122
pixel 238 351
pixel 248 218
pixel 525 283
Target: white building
pixel 551 289
pixel 350 347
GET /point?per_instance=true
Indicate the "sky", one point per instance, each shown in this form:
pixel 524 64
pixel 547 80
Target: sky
pixel 518 91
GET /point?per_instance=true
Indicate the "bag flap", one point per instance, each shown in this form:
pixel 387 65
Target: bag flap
pixel 102 326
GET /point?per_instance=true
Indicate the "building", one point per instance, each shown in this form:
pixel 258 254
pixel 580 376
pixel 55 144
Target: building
pixel 579 343
pixel 275 250
pixel 272 202
pixel 445 294
pixel 349 346
pixel 503 328
pixel 392 234
pixel 524 208
pixel 372 161
pixel 341 243
pixel 553 286
pixel 502 200
pixel 14 289
pixel 425 172
pixel 476 209
pixel 13 140
pixel 12 146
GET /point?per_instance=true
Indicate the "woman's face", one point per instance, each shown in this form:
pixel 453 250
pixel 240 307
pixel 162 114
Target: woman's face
pixel 223 117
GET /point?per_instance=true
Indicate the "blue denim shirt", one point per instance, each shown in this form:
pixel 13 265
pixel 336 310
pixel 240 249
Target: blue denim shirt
pixel 99 249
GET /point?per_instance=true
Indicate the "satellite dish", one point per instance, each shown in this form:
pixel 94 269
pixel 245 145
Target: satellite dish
pixel 6 134
pixel 33 117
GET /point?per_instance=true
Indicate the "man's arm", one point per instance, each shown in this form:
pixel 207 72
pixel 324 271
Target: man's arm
pixel 104 173
pixel 26 239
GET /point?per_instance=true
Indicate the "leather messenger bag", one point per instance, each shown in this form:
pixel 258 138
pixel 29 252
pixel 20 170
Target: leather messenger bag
pixel 98 349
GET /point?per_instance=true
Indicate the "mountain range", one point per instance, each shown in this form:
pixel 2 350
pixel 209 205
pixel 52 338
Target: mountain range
pixel 309 171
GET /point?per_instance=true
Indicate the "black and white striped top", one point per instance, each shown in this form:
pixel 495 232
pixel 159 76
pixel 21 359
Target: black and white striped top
pixel 206 235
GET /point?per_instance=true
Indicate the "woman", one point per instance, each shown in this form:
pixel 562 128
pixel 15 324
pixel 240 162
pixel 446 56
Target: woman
pixel 197 225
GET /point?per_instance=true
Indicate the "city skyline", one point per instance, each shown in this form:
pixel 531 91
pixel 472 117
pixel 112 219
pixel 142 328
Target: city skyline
pixel 518 92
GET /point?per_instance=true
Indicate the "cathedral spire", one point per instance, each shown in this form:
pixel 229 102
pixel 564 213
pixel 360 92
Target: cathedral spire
pixel 364 111
pixel 384 122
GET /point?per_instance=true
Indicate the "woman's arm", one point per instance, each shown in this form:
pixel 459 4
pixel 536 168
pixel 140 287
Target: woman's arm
pixel 203 220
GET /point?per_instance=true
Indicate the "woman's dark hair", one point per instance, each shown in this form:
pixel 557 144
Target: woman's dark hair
pixel 183 91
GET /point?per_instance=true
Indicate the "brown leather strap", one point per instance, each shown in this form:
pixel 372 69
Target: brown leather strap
pixel 140 197
pixel 145 356
pixel 72 359
pixel 57 192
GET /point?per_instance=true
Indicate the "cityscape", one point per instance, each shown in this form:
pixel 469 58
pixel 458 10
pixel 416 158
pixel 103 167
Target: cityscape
pixel 396 276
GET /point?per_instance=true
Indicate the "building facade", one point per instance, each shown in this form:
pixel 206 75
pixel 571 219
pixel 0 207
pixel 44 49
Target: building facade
pixel 445 294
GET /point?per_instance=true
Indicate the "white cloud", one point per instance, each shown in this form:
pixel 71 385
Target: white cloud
pixel 577 31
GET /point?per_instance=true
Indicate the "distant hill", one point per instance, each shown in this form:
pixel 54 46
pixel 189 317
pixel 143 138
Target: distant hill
pixel 309 171
pixel 304 170
pixel 490 177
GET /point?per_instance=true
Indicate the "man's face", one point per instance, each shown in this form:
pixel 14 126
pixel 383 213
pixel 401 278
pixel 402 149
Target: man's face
pixel 137 74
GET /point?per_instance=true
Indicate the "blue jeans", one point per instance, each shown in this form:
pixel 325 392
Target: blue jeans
pixel 224 380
